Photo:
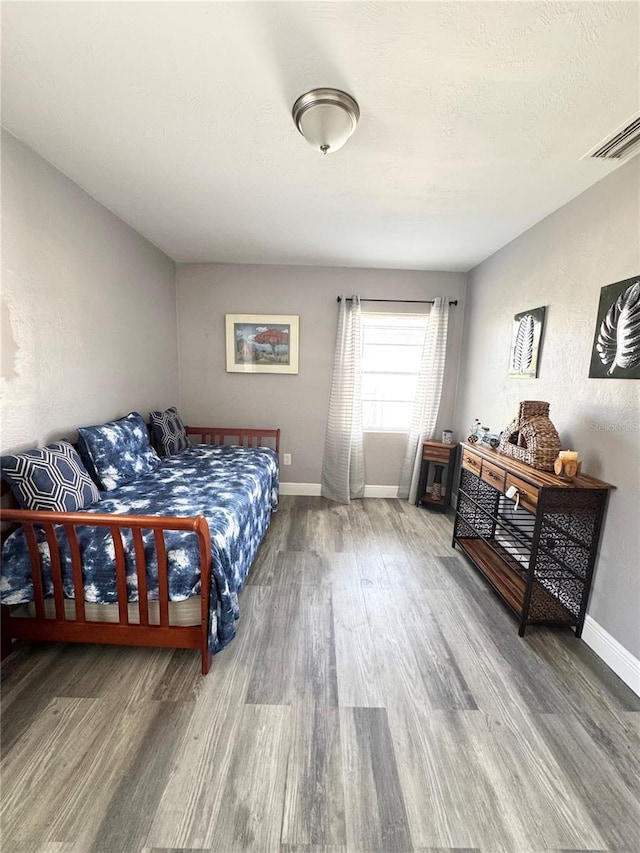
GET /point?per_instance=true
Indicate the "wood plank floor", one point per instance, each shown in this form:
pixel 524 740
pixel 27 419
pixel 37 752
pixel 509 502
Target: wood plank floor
pixel 377 698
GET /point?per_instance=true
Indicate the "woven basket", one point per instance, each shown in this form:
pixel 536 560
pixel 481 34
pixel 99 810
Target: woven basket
pixel 532 438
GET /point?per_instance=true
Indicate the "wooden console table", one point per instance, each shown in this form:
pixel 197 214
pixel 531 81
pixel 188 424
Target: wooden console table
pixel 537 550
pixel 441 456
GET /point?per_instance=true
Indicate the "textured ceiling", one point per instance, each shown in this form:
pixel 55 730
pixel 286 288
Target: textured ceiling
pixel 176 116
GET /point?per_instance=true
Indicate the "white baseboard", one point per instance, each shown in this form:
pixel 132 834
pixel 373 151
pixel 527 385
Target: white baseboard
pixel 381 491
pixel 617 658
pixel 313 490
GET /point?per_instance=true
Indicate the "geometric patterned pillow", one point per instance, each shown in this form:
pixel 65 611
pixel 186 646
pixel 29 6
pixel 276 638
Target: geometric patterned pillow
pixel 50 478
pixel 169 432
pixel 117 452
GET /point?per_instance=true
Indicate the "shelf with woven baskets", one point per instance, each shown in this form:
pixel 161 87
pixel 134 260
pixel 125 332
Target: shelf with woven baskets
pixel 536 548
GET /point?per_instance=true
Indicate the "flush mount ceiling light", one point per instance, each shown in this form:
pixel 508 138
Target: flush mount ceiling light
pixel 326 118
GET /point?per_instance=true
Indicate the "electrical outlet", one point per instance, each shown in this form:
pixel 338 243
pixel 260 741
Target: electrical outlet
pixel 286 459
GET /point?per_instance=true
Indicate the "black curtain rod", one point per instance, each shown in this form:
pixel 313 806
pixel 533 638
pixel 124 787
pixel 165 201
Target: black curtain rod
pixel 406 301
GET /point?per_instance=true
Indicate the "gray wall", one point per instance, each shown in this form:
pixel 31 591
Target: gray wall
pixel 89 333
pixel 562 263
pixel 295 403
pixel 88 308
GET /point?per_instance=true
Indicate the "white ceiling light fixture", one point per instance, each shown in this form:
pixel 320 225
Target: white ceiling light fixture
pixel 326 118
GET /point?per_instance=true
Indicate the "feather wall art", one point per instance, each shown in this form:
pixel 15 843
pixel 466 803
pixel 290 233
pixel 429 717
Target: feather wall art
pixel 525 343
pixel 616 341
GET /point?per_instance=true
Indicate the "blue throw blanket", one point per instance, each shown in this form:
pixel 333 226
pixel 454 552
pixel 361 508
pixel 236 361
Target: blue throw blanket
pixel 234 488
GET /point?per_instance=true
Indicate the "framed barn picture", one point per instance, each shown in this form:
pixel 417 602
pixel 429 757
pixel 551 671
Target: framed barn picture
pixel 526 338
pixel 262 343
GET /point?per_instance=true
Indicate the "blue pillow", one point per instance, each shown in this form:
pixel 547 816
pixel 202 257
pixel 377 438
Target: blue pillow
pixel 117 452
pixel 50 478
pixel 169 432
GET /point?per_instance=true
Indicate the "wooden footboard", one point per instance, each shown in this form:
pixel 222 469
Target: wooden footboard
pixel 245 437
pixel 76 628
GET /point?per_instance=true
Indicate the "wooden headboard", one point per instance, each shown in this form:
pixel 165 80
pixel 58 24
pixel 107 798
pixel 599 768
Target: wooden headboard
pixel 245 437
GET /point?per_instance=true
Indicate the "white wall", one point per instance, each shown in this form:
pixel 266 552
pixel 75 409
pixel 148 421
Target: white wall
pixel 88 308
pixel 562 263
pixel 295 403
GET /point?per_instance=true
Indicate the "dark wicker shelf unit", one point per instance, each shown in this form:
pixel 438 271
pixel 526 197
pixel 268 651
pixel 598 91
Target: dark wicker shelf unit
pixel 538 554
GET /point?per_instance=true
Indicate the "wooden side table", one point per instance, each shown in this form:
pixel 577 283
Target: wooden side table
pixel 441 456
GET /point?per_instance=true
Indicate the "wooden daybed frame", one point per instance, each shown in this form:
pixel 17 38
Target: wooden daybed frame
pixel 75 628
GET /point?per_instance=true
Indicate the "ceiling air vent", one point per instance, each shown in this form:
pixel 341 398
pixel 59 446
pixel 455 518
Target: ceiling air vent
pixel 624 143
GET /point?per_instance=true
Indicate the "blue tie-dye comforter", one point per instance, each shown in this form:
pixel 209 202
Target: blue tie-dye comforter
pixel 234 488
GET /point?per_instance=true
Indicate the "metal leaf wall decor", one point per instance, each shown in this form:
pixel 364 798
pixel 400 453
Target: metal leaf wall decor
pixel 525 343
pixel 523 347
pixel 616 345
pixel 619 337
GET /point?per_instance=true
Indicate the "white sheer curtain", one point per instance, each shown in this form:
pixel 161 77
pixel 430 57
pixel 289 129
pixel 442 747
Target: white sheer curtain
pixel 427 400
pixel 343 460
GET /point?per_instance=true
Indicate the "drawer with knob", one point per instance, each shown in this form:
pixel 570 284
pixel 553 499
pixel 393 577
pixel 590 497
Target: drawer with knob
pixel 528 493
pixel 493 475
pixel 471 461
pixel 436 451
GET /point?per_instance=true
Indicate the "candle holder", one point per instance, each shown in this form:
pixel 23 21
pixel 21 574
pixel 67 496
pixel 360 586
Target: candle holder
pixel 567 464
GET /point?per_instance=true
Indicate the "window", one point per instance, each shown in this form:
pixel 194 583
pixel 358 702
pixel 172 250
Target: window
pixel 391 353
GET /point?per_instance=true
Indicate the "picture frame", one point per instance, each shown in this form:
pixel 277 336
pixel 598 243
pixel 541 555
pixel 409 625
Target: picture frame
pixel 262 343
pixel 615 352
pixel 526 340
